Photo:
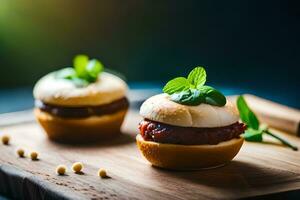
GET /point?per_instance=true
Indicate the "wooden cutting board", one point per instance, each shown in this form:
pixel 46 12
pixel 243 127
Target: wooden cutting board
pixel 259 169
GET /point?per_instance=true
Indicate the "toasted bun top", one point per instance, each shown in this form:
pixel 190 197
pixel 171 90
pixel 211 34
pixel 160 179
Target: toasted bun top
pixel 161 109
pixel 106 89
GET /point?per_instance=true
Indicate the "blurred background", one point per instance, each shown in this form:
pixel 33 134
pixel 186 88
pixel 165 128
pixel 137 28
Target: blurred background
pixel 246 46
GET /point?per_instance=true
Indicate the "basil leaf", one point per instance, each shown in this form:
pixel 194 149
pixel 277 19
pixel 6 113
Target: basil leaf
pixel 190 97
pixel 253 135
pixel 197 77
pixel 246 114
pixel 191 91
pixel 176 85
pixel 85 71
pixel 213 96
pixel 93 68
pixel 80 62
pixel 66 73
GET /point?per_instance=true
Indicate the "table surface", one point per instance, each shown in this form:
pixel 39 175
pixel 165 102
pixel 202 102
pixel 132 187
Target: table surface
pixel 259 169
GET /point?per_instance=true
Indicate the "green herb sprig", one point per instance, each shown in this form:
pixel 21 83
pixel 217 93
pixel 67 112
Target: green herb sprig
pixel 192 91
pixel 255 131
pixel 84 72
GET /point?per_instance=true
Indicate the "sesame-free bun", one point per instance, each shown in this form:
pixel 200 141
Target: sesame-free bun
pixel 105 90
pixel 189 157
pixel 89 129
pixel 160 108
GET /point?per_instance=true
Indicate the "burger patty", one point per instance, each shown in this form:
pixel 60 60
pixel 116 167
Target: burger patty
pixel 84 111
pixel 164 133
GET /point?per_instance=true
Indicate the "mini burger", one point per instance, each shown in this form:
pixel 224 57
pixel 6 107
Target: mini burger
pixel 81 104
pixel 191 126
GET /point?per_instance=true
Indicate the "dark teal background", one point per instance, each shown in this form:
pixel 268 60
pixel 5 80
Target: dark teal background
pixel 246 46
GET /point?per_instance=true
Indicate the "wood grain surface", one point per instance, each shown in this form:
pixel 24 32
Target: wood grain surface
pixel 259 169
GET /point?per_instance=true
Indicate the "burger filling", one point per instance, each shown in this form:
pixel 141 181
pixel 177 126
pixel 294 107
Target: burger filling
pixel 164 133
pixel 85 111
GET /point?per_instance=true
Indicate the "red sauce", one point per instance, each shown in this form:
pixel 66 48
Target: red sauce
pixel 164 133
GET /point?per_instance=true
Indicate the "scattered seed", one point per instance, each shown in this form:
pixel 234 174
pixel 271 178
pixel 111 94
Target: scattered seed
pixel 61 169
pixel 21 152
pixel 34 155
pixel 77 167
pixel 102 173
pixel 5 139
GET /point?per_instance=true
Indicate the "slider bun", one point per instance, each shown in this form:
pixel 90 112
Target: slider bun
pixel 89 129
pixel 160 108
pixel 107 89
pixel 189 157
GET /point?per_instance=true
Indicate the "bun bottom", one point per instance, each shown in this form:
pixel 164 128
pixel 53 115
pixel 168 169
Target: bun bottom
pixel 90 129
pixel 189 157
